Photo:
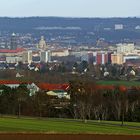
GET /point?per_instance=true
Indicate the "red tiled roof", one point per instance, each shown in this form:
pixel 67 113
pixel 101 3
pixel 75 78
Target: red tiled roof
pixel 6 82
pixel 45 86
pixel 42 86
pixel 3 82
pixel 12 51
pixel 110 87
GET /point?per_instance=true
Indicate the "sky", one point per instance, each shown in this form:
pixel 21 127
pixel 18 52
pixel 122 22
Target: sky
pixel 70 8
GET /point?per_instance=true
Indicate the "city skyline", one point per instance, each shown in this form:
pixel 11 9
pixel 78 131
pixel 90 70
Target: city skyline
pixel 71 8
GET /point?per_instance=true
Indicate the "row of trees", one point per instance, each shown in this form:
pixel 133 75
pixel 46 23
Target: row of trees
pixel 17 101
pixel 90 102
pixel 87 102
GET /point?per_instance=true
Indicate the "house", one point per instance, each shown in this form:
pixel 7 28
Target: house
pixel 59 93
pixel 59 90
pixel 33 88
pixel 15 84
pixel 48 87
pixel 10 83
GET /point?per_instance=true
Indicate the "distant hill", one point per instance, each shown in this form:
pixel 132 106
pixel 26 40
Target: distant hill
pixel 97 27
pixel 85 23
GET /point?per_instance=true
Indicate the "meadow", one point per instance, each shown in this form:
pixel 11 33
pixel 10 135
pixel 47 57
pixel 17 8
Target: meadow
pixel 66 126
pixel 117 83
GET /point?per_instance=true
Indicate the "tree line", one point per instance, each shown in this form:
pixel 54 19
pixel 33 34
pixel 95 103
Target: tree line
pixel 90 102
pixel 86 102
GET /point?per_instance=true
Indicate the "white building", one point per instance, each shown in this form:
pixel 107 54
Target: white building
pixel 125 48
pixel 118 26
pixel 137 27
pixel 130 57
pixel 60 52
pixel 13 59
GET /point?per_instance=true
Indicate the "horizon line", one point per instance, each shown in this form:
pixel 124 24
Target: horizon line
pixel 109 17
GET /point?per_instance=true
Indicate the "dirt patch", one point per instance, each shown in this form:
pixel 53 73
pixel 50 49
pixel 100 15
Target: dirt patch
pixel 25 136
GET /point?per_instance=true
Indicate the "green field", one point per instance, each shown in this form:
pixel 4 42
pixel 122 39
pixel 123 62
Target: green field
pixel 65 126
pixel 124 83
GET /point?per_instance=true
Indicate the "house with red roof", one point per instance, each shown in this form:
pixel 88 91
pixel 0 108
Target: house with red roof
pixel 58 90
pixel 48 87
pixel 10 83
pixel 15 84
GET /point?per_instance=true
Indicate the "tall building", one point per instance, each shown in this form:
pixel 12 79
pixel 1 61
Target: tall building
pixel 27 57
pixel 102 58
pixel 117 59
pixel 13 44
pixel 109 57
pixel 87 57
pixel 42 44
pixel 45 56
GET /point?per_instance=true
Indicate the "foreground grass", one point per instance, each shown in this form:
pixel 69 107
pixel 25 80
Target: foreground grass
pixel 62 126
pixel 124 83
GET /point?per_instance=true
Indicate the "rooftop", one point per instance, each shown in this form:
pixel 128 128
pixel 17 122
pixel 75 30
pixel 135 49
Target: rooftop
pixel 12 51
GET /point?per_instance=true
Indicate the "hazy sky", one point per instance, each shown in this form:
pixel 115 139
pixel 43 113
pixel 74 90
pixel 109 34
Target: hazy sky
pixel 70 8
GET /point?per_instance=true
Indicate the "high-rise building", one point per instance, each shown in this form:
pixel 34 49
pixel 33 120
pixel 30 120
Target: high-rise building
pixel 27 57
pixel 87 57
pixel 102 58
pixel 109 57
pixel 13 44
pixel 45 56
pixel 117 59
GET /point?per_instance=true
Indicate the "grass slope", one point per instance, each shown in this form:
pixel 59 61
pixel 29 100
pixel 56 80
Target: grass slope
pixel 62 126
pixel 124 83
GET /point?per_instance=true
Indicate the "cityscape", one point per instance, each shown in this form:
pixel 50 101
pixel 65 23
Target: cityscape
pixel 42 56
pixel 70 70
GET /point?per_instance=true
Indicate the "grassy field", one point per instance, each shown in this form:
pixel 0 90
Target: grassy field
pixel 124 83
pixel 64 126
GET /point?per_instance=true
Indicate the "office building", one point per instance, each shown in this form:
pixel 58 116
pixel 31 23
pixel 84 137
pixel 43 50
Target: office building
pixel 125 48
pixel 101 58
pixel 117 58
pixel 118 26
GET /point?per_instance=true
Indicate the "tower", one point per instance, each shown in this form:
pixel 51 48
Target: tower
pixel 45 56
pixel 27 57
pixel 42 44
pixel 13 45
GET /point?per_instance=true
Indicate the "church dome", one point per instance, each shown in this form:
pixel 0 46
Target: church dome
pixel 42 44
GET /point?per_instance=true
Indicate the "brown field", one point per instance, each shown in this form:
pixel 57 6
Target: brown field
pixel 37 136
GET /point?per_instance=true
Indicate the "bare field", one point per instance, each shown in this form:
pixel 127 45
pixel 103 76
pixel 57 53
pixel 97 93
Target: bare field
pixel 41 136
